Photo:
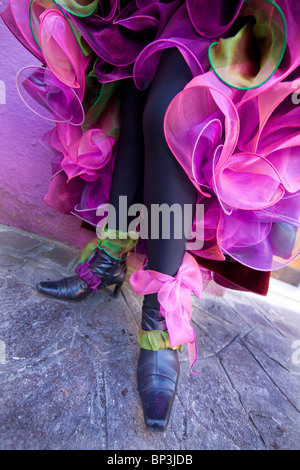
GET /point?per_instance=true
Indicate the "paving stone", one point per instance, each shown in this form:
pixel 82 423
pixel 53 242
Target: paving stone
pixel 36 330
pixel 109 325
pixel 284 320
pixel 275 435
pixel 68 370
pixel 280 370
pixel 206 347
pixel 18 241
pixel 14 294
pixel 219 309
pixel 9 264
pixel 54 406
pixel 8 261
pixel 261 398
pixel 60 255
pixel 217 331
pixel 269 344
pixel 248 311
pixel 31 272
pixel 217 408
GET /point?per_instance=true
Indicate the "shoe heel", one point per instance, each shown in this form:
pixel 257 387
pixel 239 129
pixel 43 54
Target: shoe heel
pixel 116 290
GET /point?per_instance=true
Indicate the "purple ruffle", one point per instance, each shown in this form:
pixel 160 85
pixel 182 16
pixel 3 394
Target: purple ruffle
pixel 213 19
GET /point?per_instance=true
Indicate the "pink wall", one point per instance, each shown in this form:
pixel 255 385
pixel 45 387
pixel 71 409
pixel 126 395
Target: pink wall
pixel 25 169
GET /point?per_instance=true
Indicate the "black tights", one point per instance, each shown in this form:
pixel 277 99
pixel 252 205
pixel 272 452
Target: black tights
pixel 145 170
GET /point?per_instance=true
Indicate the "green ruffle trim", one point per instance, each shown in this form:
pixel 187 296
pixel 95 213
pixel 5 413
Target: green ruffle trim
pixel 37 6
pixel 154 340
pixel 248 59
pixel 75 7
pixel 96 100
pixel 114 242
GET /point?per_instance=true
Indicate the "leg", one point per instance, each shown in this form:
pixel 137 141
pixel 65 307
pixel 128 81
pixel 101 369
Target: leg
pixel 127 181
pixel 129 166
pixel 164 179
pixel 164 182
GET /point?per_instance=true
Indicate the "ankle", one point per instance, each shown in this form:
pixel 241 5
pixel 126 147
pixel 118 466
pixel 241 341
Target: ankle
pixel 174 295
pixel 152 319
pixel 117 242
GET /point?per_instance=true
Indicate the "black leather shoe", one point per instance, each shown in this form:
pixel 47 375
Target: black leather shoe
pixel 109 270
pixel 157 372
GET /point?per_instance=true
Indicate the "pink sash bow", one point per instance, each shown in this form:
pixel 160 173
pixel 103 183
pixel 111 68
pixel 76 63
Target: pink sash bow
pixel 174 296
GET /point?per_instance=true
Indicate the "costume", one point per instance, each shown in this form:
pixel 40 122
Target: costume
pixel 234 128
pixel 88 47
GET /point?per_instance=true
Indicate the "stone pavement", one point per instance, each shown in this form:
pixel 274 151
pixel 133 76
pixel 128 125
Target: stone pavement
pixel 68 370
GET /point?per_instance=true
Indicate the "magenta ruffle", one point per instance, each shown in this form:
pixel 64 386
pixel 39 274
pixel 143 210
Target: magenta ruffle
pixel 239 148
pixel 243 157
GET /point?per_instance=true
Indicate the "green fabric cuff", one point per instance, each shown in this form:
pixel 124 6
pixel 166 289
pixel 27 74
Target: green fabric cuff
pixel 155 339
pixel 114 242
pixel 117 242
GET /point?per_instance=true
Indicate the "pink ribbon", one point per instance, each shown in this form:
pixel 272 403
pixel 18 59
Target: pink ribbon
pixel 174 296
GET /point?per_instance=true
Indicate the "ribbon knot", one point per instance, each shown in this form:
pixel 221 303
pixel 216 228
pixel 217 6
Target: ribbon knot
pixel 174 296
pixel 86 274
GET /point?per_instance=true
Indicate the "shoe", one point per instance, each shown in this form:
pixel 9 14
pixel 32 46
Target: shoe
pixel 103 271
pixel 166 321
pixel 157 372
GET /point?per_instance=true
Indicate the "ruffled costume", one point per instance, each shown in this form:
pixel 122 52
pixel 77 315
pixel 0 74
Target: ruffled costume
pixel 234 129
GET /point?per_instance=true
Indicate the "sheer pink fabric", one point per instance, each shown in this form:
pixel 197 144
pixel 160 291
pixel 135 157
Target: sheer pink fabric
pixel 174 296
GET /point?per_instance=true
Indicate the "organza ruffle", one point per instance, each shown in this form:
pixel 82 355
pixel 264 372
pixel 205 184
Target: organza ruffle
pixel 241 155
pixel 234 128
pixel 48 97
pixel 213 19
pixel 80 8
pixel 253 54
pixel 179 33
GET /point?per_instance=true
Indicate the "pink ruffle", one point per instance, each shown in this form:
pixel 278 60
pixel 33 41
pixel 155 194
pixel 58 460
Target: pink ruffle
pixel 242 154
pixel 61 51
